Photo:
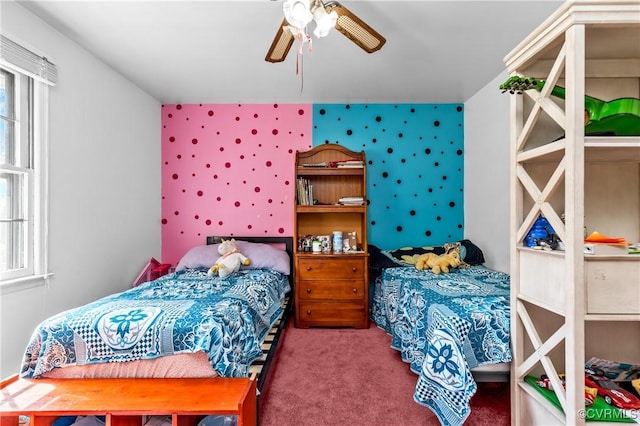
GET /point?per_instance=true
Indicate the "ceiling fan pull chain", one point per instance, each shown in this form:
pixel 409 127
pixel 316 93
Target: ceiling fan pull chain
pixel 298 38
pixel 301 73
pixel 300 67
pixel 298 56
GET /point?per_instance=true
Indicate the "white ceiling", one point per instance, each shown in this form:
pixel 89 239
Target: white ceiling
pixel 212 51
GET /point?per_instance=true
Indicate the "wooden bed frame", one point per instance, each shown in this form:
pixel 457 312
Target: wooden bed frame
pixel 128 402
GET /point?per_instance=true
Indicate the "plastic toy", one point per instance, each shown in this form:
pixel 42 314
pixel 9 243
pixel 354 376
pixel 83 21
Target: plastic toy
pixel 230 259
pixel 636 385
pixel 619 116
pixel 611 392
pixel 589 393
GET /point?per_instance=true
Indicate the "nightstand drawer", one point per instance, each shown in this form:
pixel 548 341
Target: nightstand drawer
pixel 336 290
pixel 333 268
pixel 330 314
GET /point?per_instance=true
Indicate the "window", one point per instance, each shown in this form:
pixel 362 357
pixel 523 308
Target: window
pixel 16 174
pixel 23 164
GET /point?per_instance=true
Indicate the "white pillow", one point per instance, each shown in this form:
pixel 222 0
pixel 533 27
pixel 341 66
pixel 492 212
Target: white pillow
pixel 261 255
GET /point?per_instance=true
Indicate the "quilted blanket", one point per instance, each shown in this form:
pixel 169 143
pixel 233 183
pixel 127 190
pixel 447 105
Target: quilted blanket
pixel 182 312
pixel 444 325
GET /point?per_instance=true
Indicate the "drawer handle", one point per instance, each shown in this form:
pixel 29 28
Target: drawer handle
pixel 354 269
pixel 355 290
pixel 308 311
pixel 308 268
pixel 308 290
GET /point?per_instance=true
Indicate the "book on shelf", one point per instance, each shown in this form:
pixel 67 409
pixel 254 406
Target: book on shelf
pixel 304 192
pixel 347 164
pixel 352 201
pixel 314 165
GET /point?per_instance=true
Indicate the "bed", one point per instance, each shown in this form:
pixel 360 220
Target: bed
pixel 448 327
pixel 183 324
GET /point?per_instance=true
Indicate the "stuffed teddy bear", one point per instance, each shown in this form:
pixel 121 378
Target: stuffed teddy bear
pixel 439 263
pixel 230 259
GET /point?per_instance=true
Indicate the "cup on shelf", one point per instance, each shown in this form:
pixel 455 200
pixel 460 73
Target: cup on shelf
pixel 337 241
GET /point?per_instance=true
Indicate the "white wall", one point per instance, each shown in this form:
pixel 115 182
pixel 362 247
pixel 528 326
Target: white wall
pixel 104 184
pixel 486 173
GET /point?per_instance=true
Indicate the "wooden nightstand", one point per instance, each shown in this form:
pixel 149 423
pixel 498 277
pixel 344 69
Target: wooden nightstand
pixel 331 288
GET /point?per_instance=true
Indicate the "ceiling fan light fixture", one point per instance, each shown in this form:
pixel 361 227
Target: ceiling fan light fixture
pixel 297 12
pixel 327 15
pixel 324 21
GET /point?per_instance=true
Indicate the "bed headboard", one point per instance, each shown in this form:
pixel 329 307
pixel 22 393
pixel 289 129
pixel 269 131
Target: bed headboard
pixel 287 241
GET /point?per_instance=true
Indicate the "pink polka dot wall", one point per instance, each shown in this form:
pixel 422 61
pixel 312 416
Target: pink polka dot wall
pixel 228 170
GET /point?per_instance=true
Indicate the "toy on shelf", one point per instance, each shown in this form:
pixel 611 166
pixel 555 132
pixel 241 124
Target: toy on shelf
pixel 542 235
pixel 625 374
pixel 598 410
pixel 636 386
pixel 589 393
pixel 619 117
pixel 612 393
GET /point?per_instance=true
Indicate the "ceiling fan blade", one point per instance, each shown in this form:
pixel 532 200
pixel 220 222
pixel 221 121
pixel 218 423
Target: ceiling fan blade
pixel 281 44
pixel 355 29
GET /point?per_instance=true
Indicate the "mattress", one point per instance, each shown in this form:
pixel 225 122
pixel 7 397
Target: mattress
pixel 184 324
pixel 446 326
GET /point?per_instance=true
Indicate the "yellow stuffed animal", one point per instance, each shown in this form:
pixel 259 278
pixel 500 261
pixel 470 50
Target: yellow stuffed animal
pixel 439 263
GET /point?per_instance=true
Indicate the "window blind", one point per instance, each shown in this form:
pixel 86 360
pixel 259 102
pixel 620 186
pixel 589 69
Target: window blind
pixel 21 59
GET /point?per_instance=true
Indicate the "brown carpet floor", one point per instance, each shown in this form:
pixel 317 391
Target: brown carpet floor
pixel 353 377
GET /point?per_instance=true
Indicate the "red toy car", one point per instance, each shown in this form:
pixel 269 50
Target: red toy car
pixel 611 392
pixel 589 393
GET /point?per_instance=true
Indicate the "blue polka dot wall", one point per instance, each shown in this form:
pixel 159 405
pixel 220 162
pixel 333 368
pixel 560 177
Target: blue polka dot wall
pixel 415 167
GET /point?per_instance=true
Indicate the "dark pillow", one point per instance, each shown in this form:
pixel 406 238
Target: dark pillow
pixel 473 255
pixel 407 256
pixel 378 260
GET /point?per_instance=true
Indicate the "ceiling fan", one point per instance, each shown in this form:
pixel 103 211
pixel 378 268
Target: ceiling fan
pixel 326 15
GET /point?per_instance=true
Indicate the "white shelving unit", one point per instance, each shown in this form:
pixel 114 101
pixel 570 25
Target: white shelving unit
pixel 567 306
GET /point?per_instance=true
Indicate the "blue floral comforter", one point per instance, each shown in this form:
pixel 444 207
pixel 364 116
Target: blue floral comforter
pixel 182 312
pixel 444 325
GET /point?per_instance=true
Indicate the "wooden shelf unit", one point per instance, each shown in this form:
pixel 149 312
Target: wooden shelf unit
pixel 569 306
pixel 331 289
pixel 127 402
